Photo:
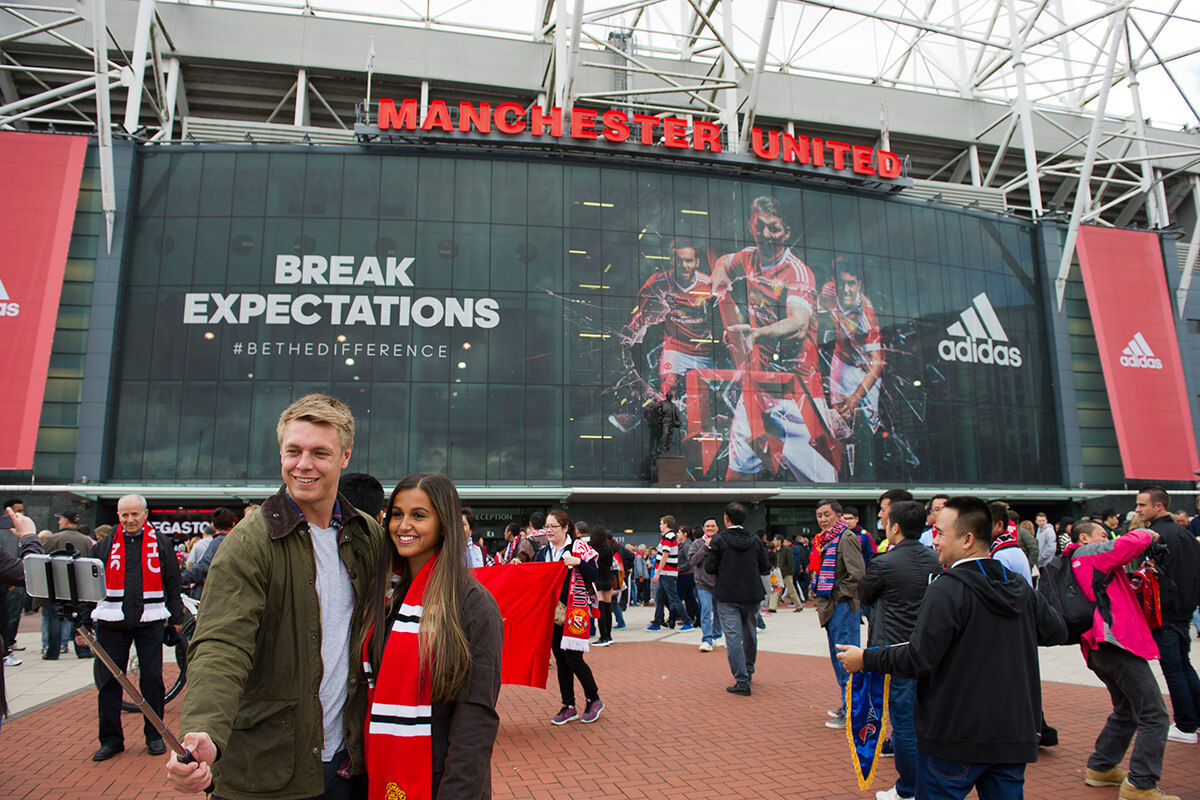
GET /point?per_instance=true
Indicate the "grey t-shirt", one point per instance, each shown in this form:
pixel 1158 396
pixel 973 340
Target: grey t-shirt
pixel 336 596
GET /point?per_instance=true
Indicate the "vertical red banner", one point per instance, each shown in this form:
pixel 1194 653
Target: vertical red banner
pixel 1135 331
pixel 41 186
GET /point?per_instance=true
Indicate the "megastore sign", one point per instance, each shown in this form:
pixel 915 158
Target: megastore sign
pixel 614 126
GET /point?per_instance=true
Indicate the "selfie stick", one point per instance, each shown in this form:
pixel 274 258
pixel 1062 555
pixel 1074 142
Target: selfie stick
pixel 72 610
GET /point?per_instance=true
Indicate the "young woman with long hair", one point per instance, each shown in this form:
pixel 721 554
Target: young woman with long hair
pixel 572 618
pixel 602 544
pixel 432 654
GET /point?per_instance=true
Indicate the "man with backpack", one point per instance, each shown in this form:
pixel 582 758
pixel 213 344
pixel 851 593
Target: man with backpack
pixel 1178 568
pixel 1118 648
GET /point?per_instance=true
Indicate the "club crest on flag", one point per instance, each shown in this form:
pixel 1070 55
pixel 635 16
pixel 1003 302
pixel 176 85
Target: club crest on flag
pixel 866 722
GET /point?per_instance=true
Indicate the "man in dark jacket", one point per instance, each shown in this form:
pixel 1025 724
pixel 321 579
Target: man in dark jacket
pixel 1179 584
pixel 738 560
pixel 75 540
pixel 974 655
pixel 895 585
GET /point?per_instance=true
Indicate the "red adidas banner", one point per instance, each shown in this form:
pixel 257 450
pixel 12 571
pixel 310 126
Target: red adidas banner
pixel 527 595
pixel 41 185
pixel 1139 352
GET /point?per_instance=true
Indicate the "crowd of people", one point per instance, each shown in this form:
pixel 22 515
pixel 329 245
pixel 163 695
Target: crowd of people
pixel 345 636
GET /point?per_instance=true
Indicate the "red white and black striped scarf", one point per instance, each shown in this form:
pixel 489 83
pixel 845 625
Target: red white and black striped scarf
pixel 577 626
pixel 111 608
pixel 1006 539
pixel 399 729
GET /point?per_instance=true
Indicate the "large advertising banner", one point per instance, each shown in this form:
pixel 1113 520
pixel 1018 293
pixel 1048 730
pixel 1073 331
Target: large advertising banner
pixel 512 322
pixel 41 185
pixel 1127 294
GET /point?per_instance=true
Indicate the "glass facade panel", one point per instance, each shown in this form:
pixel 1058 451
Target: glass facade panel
pixel 509 322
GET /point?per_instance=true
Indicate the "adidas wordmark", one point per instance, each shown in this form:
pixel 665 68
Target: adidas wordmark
pixel 979 338
pixel 1138 354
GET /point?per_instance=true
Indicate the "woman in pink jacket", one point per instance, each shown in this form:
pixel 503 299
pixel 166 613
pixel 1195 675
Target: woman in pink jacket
pixel 1118 648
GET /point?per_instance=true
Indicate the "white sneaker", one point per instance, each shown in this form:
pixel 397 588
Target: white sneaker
pixel 706 647
pixel 12 661
pixel 1173 733
pixel 835 713
pixel 891 794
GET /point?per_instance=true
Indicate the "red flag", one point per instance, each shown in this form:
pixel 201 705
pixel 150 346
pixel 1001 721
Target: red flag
pixel 526 594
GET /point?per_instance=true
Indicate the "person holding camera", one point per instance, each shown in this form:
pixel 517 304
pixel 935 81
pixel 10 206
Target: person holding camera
pixel 142 588
pixel 1118 648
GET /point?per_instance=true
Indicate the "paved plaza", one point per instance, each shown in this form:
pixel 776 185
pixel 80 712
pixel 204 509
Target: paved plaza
pixel 669 730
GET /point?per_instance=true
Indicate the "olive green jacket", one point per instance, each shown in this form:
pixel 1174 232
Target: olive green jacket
pixel 254 665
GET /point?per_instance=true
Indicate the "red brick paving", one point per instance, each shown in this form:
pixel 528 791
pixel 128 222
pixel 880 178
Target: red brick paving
pixel 669 731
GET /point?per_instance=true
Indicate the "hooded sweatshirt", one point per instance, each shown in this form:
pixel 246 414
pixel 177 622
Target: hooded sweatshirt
pixel 974 655
pixel 738 560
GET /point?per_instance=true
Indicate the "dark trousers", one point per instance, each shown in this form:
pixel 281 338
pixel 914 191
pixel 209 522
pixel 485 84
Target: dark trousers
pixel 1182 683
pixel 741 637
pixel 337 787
pixel 687 595
pixel 800 579
pixel 667 596
pixel 1137 707
pixel 941 779
pixel 904 737
pixel 570 665
pixel 10 613
pixel 148 639
pixel 58 629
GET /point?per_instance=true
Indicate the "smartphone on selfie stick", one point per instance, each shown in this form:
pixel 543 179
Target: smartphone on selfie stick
pixel 72 584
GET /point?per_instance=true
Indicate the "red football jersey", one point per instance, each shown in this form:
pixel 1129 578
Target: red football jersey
pixel 857 328
pixel 681 311
pixel 768 289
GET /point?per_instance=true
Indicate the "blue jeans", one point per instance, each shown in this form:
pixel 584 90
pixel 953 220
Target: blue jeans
pixel 616 610
pixel 1182 683
pixel 667 595
pixel 902 697
pixel 710 623
pixel 741 638
pixel 843 628
pixel 940 779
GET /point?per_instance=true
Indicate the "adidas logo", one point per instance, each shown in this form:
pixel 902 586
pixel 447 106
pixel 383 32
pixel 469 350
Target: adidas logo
pixel 977 331
pixel 1138 354
pixel 7 309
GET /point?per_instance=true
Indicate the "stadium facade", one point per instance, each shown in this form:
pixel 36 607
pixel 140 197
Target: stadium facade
pixel 501 264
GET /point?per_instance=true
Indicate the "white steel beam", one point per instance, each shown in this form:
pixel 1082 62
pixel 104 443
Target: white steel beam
pixel 108 192
pixel 1082 193
pixel 1025 110
pixel 301 116
pixel 141 45
pixel 1189 263
pixel 760 63
pixel 729 98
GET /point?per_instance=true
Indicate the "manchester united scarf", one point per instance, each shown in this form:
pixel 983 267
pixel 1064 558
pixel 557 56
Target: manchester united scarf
pixel 399 734
pixel 110 609
pixel 832 538
pixel 577 626
pixel 866 720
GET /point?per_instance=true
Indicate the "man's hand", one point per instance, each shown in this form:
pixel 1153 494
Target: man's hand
pixel 197 776
pixel 22 525
pixel 851 657
pixel 847 407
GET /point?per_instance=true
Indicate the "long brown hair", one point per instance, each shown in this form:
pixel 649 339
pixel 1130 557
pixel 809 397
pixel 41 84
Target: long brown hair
pixel 442 645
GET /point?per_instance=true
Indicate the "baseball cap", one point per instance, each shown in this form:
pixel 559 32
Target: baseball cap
pixel 70 516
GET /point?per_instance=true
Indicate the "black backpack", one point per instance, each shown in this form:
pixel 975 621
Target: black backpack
pixel 1058 587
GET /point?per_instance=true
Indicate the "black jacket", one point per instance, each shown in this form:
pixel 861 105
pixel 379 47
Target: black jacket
pixel 132 604
pixel 738 560
pixel 974 655
pixel 894 585
pixel 587 569
pixel 1180 569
